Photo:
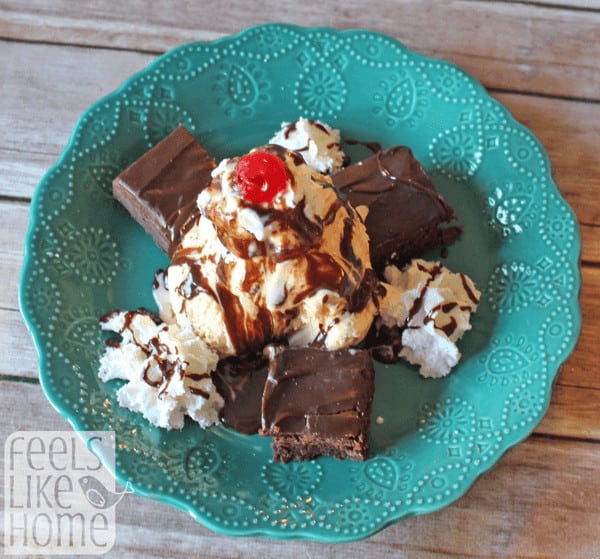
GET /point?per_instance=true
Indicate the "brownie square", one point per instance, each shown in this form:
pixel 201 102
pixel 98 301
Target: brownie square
pixel 160 188
pixel 407 215
pixel 318 403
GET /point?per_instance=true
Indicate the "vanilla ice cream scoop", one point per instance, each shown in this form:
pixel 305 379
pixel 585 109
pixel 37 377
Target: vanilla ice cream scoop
pixel 274 253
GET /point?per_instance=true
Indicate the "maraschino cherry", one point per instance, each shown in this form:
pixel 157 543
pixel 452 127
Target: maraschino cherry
pixel 260 176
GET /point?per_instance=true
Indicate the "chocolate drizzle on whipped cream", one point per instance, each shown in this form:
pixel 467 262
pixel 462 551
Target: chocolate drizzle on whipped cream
pixel 299 234
pixel 166 369
pixel 316 141
pixel 153 349
pixel 434 298
pixel 416 306
pixel 197 377
pixel 465 283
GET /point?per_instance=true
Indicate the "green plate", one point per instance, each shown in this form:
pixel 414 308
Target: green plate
pixel 85 256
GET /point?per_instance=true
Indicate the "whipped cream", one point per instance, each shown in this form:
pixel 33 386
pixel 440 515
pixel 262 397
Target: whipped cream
pixel 432 307
pixel 167 370
pixel 317 142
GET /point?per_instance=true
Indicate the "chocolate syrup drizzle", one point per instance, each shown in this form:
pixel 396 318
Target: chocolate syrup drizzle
pixel 386 342
pixel 248 333
pixel 153 349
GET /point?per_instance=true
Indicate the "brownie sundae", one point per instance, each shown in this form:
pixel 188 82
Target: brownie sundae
pixel 290 270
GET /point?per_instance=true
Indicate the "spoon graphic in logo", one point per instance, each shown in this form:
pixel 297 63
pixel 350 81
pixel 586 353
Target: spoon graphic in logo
pixel 98 495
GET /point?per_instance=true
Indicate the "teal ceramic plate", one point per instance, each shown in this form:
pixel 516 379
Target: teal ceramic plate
pixel 431 439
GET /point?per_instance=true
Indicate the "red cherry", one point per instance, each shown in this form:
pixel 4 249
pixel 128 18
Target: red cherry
pixel 260 176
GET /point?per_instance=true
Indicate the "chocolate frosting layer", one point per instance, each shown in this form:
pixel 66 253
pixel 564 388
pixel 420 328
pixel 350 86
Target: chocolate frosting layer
pixel 161 187
pixel 406 214
pixel 312 391
pixel 241 380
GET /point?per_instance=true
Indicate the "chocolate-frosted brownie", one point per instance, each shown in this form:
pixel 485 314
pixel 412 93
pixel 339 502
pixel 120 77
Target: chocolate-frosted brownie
pixel 407 215
pixel 318 403
pixel 160 188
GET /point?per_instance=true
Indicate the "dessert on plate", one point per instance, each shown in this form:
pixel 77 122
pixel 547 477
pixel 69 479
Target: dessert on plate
pixel 288 274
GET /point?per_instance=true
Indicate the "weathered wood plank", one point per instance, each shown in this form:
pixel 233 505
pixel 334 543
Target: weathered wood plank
pixel 10 273
pixel 590 240
pixel 520 46
pixel 19 357
pixel 14 217
pixel 582 367
pixel 589 5
pixel 573 412
pixel 537 503
pixel 42 101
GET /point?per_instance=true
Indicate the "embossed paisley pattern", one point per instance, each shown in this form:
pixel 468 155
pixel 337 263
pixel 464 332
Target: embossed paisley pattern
pixel 431 439
pixel 401 98
pixel 240 86
pixel 292 480
pixel 508 361
pixel 512 287
pixel 511 206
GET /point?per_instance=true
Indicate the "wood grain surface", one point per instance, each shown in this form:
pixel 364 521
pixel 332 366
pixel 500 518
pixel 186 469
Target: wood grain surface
pixel 540 59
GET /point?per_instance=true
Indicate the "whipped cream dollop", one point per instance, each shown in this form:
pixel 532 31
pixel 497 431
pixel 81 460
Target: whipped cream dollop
pixel 245 274
pixel 317 142
pixel 167 370
pixel 430 308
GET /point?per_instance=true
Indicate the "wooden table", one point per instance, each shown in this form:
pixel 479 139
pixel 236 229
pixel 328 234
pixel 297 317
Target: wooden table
pixel 541 59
